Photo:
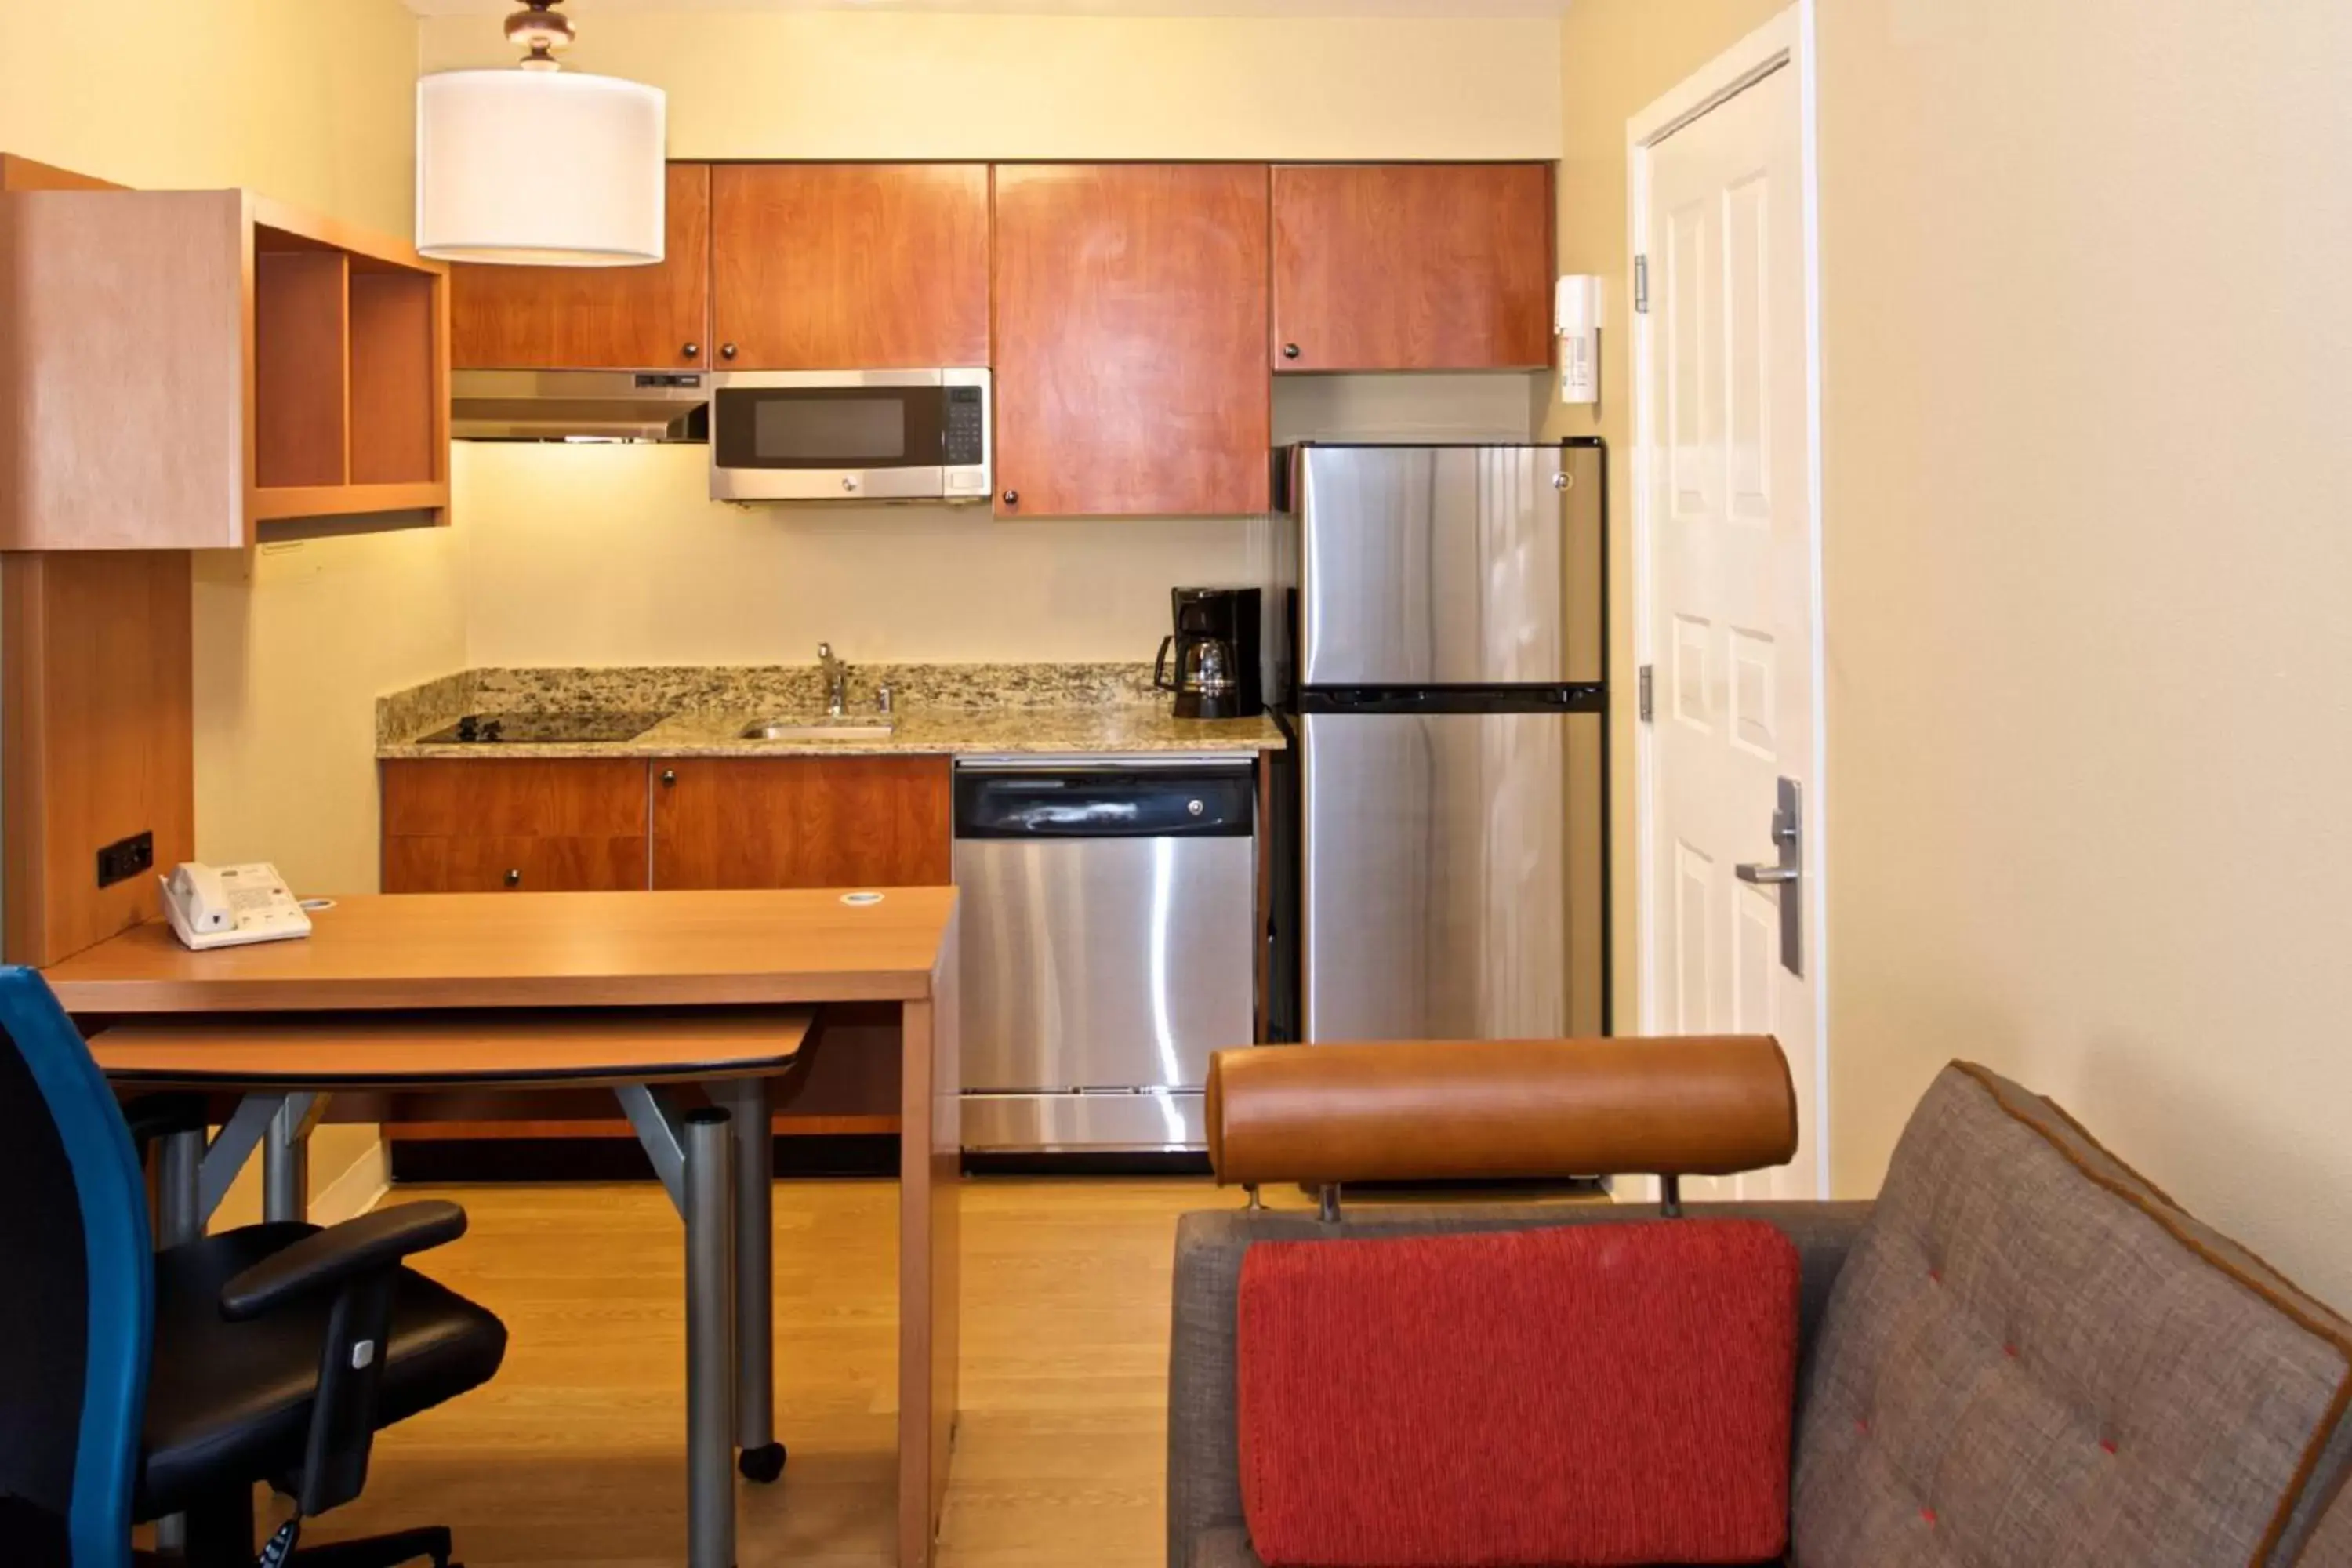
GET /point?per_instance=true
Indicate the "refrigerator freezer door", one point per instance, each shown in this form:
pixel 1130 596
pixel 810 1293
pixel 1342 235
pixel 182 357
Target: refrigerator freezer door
pixel 1434 894
pixel 1431 566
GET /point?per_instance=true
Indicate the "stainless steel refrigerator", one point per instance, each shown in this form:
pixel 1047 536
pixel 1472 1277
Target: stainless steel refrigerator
pixel 1445 609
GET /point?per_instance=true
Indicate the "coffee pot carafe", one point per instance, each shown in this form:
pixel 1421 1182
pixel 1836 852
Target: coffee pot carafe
pixel 1214 648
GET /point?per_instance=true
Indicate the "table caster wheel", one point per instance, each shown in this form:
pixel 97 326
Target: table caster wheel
pixel 761 1464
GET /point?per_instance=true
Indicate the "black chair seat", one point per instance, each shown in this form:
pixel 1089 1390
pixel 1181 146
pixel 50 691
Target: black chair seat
pixel 235 1398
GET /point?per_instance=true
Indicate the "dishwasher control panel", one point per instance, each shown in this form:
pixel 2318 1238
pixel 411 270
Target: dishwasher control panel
pixel 1218 801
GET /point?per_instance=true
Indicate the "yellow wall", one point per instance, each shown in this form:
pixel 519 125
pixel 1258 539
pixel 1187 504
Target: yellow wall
pixel 294 644
pixel 2084 330
pixel 616 555
pixel 605 556
pixel 2087 567
pixel 310 104
pixel 841 84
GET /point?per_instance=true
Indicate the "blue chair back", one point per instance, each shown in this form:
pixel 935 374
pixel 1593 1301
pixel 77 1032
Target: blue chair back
pixel 77 1280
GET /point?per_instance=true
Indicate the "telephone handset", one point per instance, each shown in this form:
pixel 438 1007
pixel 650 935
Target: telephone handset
pixel 225 906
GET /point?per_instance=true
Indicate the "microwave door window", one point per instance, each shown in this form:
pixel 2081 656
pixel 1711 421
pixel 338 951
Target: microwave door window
pixel 828 427
pixel 830 432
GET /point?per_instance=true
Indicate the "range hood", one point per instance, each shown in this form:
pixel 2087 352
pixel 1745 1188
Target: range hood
pixel 591 405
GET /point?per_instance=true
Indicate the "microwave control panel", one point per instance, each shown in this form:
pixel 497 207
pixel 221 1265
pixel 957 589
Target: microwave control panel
pixel 966 442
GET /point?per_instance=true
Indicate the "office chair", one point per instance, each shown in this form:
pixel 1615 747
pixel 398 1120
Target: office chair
pixel 135 1385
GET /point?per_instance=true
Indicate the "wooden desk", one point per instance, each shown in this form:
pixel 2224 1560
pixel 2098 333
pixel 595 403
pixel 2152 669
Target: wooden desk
pixel 474 978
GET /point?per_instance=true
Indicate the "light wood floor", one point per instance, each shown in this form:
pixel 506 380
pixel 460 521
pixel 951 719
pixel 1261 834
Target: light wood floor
pixel 574 1454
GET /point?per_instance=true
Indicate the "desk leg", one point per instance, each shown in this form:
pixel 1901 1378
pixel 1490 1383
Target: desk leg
pixel 709 1194
pixel 179 1177
pixel 747 1103
pixel 178 1217
pixel 930 1159
pixel 286 1158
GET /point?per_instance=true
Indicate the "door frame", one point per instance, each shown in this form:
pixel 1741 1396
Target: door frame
pixel 1787 41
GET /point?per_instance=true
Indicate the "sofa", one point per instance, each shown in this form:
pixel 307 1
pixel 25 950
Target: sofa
pixel 2020 1352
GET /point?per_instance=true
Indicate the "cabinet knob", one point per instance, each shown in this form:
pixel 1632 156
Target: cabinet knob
pixel 691 349
pixel 1011 497
pixel 1290 350
pixel 726 351
pixel 669 776
pixel 514 878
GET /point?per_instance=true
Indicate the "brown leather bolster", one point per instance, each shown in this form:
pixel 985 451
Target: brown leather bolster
pixel 1440 1111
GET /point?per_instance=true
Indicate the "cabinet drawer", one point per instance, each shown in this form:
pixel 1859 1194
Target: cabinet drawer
pixel 464 863
pixel 803 822
pixel 561 797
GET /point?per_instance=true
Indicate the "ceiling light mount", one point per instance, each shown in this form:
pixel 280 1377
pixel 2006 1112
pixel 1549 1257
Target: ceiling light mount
pixel 539 31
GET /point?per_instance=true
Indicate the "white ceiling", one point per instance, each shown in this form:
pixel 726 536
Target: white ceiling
pixel 1042 7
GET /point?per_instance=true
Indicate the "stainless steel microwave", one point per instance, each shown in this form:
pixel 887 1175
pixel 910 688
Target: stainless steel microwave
pixel 862 435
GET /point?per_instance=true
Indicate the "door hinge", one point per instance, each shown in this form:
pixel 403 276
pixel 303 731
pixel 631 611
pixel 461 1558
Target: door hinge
pixel 1640 285
pixel 1642 693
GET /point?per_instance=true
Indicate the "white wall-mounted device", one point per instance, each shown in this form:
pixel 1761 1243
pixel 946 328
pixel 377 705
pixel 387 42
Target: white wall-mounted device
pixel 1576 317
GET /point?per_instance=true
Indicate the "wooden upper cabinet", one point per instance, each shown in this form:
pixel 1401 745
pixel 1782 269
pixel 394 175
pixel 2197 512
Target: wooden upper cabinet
pixel 850 265
pixel 1131 329
pixel 595 318
pixel 1412 266
pixel 803 822
pixel 208 361
pixel 526 825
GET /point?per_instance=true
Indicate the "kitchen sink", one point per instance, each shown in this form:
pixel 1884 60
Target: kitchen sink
pixel 821 729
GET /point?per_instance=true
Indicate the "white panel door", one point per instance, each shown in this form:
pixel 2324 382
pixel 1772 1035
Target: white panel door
pixel 1730 612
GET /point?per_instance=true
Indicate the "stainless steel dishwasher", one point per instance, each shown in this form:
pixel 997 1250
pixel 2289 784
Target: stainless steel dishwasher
pixel 1109 913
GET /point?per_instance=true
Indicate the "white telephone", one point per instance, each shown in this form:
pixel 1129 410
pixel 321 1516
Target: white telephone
pixel 226 906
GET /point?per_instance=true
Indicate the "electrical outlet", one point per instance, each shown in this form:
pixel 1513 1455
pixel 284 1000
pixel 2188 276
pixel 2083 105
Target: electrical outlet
pixel 125 858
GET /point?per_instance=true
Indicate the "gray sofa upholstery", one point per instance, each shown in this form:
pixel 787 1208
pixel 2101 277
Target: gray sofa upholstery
pixel 2022 1354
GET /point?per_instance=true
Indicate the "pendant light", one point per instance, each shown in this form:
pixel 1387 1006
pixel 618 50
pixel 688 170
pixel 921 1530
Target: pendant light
pixel 538 165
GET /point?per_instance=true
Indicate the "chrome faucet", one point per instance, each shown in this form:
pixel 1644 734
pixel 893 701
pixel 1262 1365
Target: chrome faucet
pixel 836 681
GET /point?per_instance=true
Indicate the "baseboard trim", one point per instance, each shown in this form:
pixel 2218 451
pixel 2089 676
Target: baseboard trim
pixel 356 1191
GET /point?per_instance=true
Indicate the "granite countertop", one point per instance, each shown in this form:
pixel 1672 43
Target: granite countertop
pixel 957 710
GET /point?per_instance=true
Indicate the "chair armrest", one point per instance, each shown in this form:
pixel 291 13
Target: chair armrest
pixel 323 1263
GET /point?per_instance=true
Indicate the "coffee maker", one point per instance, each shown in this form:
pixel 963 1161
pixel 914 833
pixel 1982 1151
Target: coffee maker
pixel 1215 649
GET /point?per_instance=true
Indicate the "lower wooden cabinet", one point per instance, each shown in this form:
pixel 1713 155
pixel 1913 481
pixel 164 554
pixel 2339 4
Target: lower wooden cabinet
pixel 530 825
pixel 803 822
pixel 552 825
pixel 473 864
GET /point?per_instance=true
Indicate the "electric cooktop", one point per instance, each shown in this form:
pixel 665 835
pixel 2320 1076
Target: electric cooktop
pixel 542 729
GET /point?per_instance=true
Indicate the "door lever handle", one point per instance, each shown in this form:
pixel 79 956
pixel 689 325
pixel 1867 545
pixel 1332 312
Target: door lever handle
pixel 1788 833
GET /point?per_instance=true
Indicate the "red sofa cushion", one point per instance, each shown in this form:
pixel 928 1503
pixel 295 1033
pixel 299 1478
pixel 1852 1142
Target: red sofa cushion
pixel 1607 1394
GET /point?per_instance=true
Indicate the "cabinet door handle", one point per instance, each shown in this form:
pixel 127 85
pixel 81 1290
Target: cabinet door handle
pixel 669 777
pixel 691 349
pixel 726 351
pixel 514 878
pixel 1011 497
pixel 1290 350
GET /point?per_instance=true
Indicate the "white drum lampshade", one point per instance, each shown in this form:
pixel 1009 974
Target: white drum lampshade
pixel 542 167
